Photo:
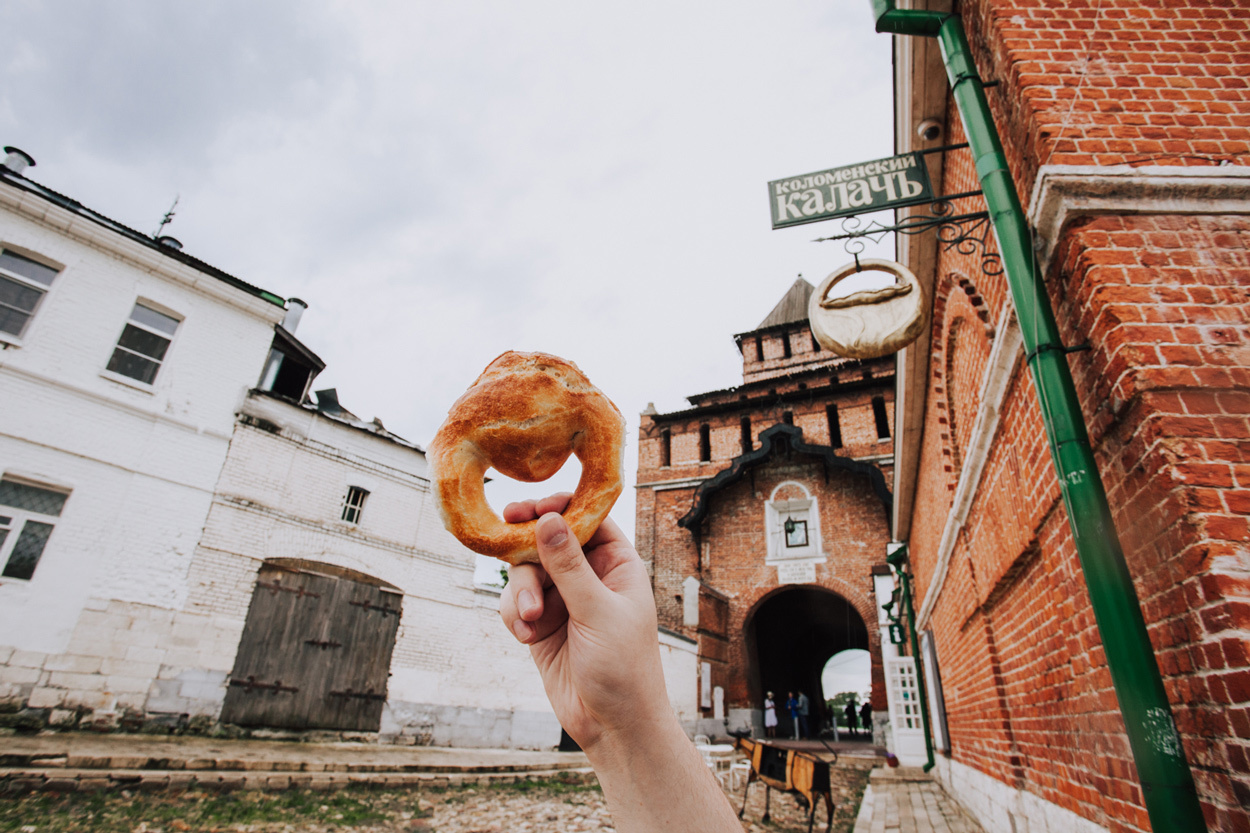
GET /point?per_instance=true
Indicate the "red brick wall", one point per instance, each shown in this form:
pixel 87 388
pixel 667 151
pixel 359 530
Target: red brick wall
pixel 1111 82
pixel 1164 302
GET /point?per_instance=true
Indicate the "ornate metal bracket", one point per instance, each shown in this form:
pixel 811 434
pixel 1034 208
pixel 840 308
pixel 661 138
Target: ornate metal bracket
pixel 965 233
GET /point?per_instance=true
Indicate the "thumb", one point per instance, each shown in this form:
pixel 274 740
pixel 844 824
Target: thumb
pixel 567 567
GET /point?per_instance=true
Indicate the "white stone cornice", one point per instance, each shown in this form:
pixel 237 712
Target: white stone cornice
pixel 1064 192
pixel 664 485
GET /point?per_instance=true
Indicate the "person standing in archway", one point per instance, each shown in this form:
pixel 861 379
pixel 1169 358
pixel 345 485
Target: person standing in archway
pixel 770 716
pixel 792 706
pixel 852 717
pixel 865 717
pixel 802 708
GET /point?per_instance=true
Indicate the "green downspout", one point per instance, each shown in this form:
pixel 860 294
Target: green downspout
pixel 896 560
pixel 1166 781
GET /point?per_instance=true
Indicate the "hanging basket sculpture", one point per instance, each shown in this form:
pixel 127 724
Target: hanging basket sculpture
pixel 872 322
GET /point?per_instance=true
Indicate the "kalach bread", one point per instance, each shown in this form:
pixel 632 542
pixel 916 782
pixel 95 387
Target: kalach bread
pixel 524 416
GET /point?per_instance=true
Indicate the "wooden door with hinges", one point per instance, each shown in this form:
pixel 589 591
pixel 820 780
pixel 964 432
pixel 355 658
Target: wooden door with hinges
pixel 315 653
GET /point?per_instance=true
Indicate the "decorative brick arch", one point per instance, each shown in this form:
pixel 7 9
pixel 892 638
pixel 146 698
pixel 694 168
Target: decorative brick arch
pixel 961 345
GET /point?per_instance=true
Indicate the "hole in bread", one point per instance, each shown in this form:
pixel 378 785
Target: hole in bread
pixel 502 490
pixel 868 280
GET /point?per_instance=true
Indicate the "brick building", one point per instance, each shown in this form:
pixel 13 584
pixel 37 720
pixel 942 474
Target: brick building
pixel 1126 127
pixel 763 509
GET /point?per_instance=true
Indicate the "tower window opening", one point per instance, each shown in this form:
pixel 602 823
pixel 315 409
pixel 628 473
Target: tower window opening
pixel 787 417
pixel 705 443
pixel 785 345
pixel 879 414
pixel 835 427
pixel 666 447
pixel 759 349
pixel 747 443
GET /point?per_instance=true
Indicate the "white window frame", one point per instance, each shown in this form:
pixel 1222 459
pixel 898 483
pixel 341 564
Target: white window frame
pixel 18 518
pixel 904 695
pixel 353 510
pixel 17 339
pixel 131 321
pixel 801 510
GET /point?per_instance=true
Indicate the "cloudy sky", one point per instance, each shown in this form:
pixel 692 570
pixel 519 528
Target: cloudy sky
pixel 443 181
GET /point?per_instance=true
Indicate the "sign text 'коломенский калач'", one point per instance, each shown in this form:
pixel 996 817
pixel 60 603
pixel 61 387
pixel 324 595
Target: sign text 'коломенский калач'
pixel 854 189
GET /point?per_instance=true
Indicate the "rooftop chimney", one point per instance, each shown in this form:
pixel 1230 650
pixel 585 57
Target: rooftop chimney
pixel 294 309
pixel 17 160
pixel 171 242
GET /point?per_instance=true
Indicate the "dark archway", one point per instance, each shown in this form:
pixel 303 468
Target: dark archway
pixel 790 635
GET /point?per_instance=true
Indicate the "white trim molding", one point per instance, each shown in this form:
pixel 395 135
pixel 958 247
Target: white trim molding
pixel 1063 192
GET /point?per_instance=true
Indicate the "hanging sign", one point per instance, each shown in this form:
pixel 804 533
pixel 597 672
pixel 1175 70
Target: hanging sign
pixel 854 189
pixel 872 322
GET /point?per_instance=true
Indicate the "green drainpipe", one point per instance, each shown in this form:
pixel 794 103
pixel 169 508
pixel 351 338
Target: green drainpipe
pixel 896 560
pixel 1166 781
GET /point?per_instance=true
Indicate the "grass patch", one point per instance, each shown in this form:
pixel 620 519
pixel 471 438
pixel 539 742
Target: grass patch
pixel 190 811
pixel 203 811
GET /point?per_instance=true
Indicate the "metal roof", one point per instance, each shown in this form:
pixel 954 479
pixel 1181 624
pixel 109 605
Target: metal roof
pixel 70 204
pixel 792 307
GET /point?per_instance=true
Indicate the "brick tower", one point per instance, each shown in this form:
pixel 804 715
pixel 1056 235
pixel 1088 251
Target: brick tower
pixel 762 512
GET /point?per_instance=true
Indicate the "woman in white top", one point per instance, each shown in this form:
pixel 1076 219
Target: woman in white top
pixel 770 716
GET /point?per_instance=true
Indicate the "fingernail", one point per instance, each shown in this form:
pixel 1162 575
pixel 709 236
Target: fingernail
pixel 523 630
pixel 552 530
pixel 525 601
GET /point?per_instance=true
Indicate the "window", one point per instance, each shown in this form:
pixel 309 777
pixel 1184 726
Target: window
pixel 705 443
pixel 23 283
pixel 759 349
pixel 27 515
pixel 354 504
pixel 785 345
pixel 143 343
pixel 796 533
pixel 666 447
pixel 905 693
pixel 747 442
pixel 787 417
pixel 879 414
pixel 835 427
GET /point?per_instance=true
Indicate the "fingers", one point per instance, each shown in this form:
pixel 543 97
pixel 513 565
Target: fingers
pixel 562 557
pixel 527 510
pixel 522 601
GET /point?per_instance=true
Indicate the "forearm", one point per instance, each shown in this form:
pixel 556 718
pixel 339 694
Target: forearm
pixel 655 780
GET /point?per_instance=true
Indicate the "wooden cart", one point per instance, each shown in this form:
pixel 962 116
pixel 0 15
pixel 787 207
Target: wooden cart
pixel 791 771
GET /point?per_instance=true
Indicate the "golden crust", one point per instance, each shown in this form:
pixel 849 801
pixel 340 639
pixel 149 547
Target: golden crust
pixel 524 415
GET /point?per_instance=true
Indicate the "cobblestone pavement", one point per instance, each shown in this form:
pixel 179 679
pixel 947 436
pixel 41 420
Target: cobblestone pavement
pixel 908 802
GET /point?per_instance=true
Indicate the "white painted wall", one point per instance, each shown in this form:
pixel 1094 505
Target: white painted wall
pixel 680 660
pixel 281 495
pixel 140 462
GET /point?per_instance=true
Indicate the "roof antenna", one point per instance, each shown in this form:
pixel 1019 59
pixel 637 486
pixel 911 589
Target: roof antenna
pixel 168 218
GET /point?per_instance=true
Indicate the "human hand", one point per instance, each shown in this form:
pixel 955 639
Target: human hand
pixel 589 619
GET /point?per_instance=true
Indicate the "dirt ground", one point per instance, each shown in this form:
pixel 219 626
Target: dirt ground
pixel 552 805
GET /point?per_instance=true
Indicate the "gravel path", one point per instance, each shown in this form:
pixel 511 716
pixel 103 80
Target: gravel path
pixel 568 806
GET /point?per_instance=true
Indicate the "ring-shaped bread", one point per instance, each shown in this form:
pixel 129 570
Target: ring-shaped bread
pixel 524 415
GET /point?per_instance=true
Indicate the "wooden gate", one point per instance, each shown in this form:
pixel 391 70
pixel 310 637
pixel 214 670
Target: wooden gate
pixel 315 653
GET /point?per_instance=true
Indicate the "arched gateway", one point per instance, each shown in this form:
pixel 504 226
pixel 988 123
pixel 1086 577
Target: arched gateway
pixel 789 636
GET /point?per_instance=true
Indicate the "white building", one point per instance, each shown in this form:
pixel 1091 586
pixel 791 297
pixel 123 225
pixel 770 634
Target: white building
pixel 147 498
pixel 312 499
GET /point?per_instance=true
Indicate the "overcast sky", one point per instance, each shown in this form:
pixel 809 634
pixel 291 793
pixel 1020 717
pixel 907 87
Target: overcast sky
pixel 443 181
